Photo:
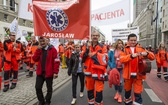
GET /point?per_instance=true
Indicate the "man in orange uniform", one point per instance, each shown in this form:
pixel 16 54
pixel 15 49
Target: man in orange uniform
pixel 11 56
pixel 68 51
pixel 94 86
pixel 61 51
pixel 131 74
pixel 1 56
pixel 33 48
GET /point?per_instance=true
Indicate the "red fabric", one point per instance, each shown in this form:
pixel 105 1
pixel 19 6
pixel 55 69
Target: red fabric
pixel 134 64
pixel 73 22
pixel 114 77
pixel 52 65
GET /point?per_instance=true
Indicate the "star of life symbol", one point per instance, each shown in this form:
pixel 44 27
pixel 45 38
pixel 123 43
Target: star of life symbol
pixel 57 19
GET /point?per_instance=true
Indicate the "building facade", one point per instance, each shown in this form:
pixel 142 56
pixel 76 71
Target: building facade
pixel 138 6
pixel 145 32
pixel 151 21
pixel 8 12
pixel 165 22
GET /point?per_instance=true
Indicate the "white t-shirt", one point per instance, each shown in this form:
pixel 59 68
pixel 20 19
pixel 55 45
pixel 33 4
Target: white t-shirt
pixel 132 49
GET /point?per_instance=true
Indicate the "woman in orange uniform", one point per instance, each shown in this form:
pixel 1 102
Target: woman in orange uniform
pixel 161 61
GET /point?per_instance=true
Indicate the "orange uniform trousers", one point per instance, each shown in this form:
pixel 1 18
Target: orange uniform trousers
pixel 137 89
pixel 163 63
pixel 8 68
pixel 94 89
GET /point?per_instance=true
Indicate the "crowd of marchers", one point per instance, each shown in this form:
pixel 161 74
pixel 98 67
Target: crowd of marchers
pixel 92 61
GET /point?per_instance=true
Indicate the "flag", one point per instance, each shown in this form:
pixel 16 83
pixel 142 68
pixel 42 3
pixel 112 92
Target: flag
pixel 69 19
pixel 112 14
pixel 26 9
pixel 14 28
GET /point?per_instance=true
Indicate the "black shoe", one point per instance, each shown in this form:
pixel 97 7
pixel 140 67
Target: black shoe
pixel 21 68
pixel 5 89
pixel 13 86
pixel 41 103
pixel 159 76
pixel 47 104
pixel 30 74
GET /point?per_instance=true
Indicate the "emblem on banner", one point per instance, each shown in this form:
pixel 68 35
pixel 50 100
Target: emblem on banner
pixel 57 19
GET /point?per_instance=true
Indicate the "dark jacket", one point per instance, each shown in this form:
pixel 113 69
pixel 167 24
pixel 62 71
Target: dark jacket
pixel 52 62
pixel 74 63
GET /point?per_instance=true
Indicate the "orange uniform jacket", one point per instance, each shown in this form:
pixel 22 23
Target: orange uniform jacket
pixel 8 50
pixel 68 51
pixel 1 49
pixel 125 57
pixel 61 48
pixel 88 71
pixel 161 56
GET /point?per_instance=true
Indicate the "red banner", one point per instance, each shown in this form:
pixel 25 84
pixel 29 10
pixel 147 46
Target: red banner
pixel 69 20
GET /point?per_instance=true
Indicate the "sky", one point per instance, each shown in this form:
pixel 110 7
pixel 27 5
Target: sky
pixel 106 29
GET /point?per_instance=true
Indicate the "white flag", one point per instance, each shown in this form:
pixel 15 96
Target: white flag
pixel 112 14
pixel 13 27
pixel 26 9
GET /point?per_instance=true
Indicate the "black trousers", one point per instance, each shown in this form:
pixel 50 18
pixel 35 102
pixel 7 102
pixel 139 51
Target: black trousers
pixel 74 83
pixel 38 86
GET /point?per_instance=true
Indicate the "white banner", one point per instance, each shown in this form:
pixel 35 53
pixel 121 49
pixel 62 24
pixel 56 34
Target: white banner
pixel 26 9
pixel 123 33
pixel 112 14
pixel 13 28
pixel 54 42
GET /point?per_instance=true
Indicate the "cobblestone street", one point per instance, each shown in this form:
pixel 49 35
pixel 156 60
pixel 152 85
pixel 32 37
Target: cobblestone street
pixel 25 90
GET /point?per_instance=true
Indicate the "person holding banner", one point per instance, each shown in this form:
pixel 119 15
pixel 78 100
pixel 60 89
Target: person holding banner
pixel 11 56
pixel 47 69
pixel 94 84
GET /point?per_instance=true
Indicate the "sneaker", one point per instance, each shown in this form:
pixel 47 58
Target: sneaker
pixel 73 101
pixel 116 96
pixel 119 99
pixel 81 94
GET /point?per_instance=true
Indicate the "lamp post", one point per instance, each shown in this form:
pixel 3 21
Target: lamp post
pixel 155 42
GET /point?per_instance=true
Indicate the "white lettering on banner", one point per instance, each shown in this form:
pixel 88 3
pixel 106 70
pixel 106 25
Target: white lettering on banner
pixel 108 15
pixel 58 35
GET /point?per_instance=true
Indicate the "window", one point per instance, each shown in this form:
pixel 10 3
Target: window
pixel 4 4
pixel 24 22
pixel 7 30
pixel 161 9
pixel 12 5
pixel 163 13
pixel 163 25
pixel 5 17
pixel 160 20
